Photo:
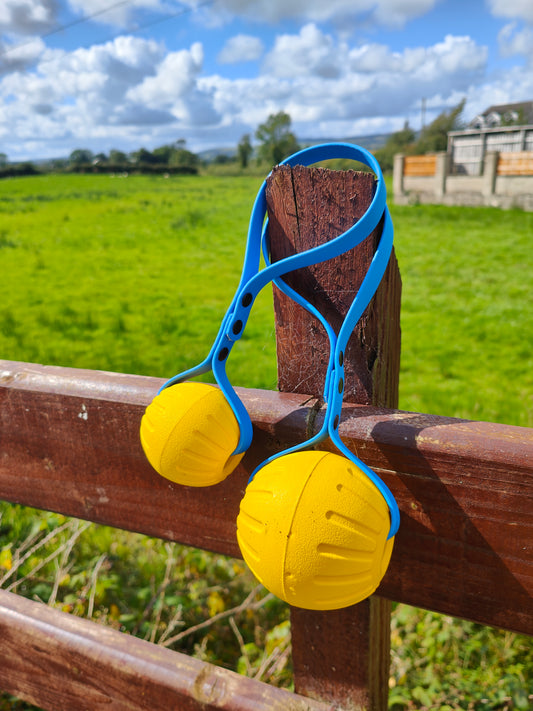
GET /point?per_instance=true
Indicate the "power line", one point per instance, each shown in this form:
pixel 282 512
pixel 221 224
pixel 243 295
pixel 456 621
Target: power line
pixel 171 16
pixel 159 20
pixel 66 26
pixel 86 18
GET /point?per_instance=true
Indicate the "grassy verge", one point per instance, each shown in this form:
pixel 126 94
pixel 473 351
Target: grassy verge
pixel 129 275
pixel 467 316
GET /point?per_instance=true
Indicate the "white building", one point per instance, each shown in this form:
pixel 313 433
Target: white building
pixel 503 128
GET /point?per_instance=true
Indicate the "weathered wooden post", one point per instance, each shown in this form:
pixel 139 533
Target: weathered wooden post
pixel 340 656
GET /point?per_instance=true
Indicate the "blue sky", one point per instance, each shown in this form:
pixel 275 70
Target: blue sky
pixel 103 74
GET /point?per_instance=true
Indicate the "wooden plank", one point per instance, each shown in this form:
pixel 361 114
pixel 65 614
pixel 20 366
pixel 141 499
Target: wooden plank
pixel 372 358
pixel 420 166
pixel 515 163
pixel 308 207
pixel 59 661
pixel 69 443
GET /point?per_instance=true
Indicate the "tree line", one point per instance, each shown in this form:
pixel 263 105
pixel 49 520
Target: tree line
pixel 432 138
pixel 275 141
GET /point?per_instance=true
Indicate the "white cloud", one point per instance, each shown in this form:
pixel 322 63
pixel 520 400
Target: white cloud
pixel 455 59
pixel 515 84
pixel 111 13
pixel 397 12
pixel 102 73
pixel 82 94
pixel 372 71
pixel 131 91
pixel 516 9
pixel 388 12
pixel 175 75
pixel 82 97
pixel 311 52
pixel 15 56
pixel 514 41
pixel 370 81
pixel 175 88
pixel 135 84
pixel 27 17
pixel 241 48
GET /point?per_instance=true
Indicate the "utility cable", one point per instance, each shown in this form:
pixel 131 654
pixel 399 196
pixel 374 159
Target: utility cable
pixel 66 26
pixel 86 18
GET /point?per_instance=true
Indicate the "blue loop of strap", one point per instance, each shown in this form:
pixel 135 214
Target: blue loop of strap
pixel 333 394
pixel 253 280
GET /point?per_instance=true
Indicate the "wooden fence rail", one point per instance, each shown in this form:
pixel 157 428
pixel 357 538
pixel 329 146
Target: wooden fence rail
pixel 69 442
pixel 60 662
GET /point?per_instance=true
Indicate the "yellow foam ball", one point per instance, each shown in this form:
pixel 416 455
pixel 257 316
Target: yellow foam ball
pixel 313 529
pixel 188 433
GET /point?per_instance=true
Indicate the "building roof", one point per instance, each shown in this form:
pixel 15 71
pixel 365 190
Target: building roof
pixel 504 114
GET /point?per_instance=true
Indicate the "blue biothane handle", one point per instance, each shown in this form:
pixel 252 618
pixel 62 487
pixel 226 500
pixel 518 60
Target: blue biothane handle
pixel 253 279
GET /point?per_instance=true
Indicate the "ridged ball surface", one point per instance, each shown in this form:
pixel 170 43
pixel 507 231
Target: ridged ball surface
pixel 313 529
pixel 188 433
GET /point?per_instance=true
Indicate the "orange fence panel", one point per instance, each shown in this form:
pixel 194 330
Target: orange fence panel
pixel 515 163
pixel 420 166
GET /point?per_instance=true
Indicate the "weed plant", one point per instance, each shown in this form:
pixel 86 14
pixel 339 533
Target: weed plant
pixel 134 275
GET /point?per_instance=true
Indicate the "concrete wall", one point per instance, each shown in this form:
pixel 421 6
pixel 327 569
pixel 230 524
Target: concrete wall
pixel 487 189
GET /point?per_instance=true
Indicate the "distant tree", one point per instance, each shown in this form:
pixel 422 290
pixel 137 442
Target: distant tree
pixel 58 164
pixel 99 158
pixel 222 159
pixel 435 136
pixel 180 157
pixel 276 139
pixel 398 142
pixel 117 157
pixel 143 156
pixel 163 154
pixel 3 160
pixel 80 156
pixel 244 150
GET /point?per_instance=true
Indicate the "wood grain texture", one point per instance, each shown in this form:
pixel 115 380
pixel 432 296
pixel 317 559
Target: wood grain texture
pixel 308 207
pixel 464 488
pixel 59 661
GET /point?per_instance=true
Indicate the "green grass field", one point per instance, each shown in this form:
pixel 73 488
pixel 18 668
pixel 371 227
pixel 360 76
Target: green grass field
pixel 133 275
pixel 129 275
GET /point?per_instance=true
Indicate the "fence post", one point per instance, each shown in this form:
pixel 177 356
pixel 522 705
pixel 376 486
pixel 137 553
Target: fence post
pixel 441 173
pixel 490 171
pixel 397 176
pixel 340 656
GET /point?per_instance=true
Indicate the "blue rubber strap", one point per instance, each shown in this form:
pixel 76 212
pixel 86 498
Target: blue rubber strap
pixel 366 291
pixel 333 390
pixel 253 280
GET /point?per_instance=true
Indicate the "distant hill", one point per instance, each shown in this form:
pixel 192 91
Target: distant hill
pixel 210 154
pixel 371 143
